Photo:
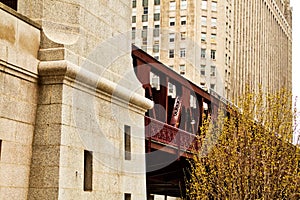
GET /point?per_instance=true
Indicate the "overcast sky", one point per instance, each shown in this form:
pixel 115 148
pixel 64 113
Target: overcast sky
pixel 296 49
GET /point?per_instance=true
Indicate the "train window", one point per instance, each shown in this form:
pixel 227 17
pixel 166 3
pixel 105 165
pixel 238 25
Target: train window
pixel 171 90
pixel 10 3
pixel 193 101
pixel 154 81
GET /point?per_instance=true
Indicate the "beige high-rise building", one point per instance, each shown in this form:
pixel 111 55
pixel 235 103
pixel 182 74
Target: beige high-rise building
pixel 221 45
pixel 188 36
pixel 262 46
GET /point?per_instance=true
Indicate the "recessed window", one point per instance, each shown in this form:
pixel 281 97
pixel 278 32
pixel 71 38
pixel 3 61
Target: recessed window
pixel 183 4
pixel 204 5
pixel 203 37
pixel 214 6
pixel 202 70
pixel 171 53
pixel 156 31
pixel 203 21
pixel 213 54
pixel 212 86
pixel 182 52
pixel 171 37
pixel 182 69
pixel 213 38
pixel 144 18
pixel 156 16
pixel 133 3
pixel 88 171
pixel 145 3
pixel 133 19
pixel 145 10
pixel 182 35
pixel 213 22
pixel 172 5
pixel 183 20
pixel 156 2
pixel 144 32
pixel 144 41
pixel 133 33
pixel 212 70
pixel 10 3
pixel 127 196
pixel 127 142
pixel 172 21
pixel 203 53
pixel 155 48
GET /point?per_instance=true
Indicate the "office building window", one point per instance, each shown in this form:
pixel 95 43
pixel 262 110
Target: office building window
pixel 155 48
pixel 213 54
pixel 127 142
pixel 182 35
pixel 202 70
pixel 212 70
pixel 183 4
pixel 203 21
pixel 182 69
pixel 145 3
pixel 145 10
pixel 172 5
pixel 213 38
pixel 212 86
pixel 156 2
pixel 133 33
pixel 172 21
pixel 144 32
pixel 182 52
pixel 204 5
pixel 144 41
pixel 133 3
pixel 144 48
pixel 171 53
pixel 213 22
pixel 133 19
pixel 144 18
pixel 156 16
pixel 156 31
pixel 203 52
pixel 171 37
pixel 88 171
pixel 183 20
pixel 203 37
pixel 214 6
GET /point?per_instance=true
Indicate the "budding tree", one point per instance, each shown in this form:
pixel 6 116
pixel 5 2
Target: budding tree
pixel 247 152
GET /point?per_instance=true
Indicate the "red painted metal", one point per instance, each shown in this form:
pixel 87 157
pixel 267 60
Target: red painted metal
pixel 165 134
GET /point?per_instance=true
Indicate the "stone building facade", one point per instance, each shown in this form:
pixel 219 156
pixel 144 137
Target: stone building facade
pixel 71 111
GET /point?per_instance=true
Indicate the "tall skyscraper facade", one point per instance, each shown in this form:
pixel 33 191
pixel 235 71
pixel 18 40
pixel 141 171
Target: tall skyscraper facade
pixel 220 45
pixel 262 46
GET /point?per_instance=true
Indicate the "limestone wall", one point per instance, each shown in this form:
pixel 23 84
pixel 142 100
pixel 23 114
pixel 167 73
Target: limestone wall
pixel 88 92
pixel 19 43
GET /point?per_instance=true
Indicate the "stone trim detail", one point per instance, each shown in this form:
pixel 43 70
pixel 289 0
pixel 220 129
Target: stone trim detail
pixel 62 71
